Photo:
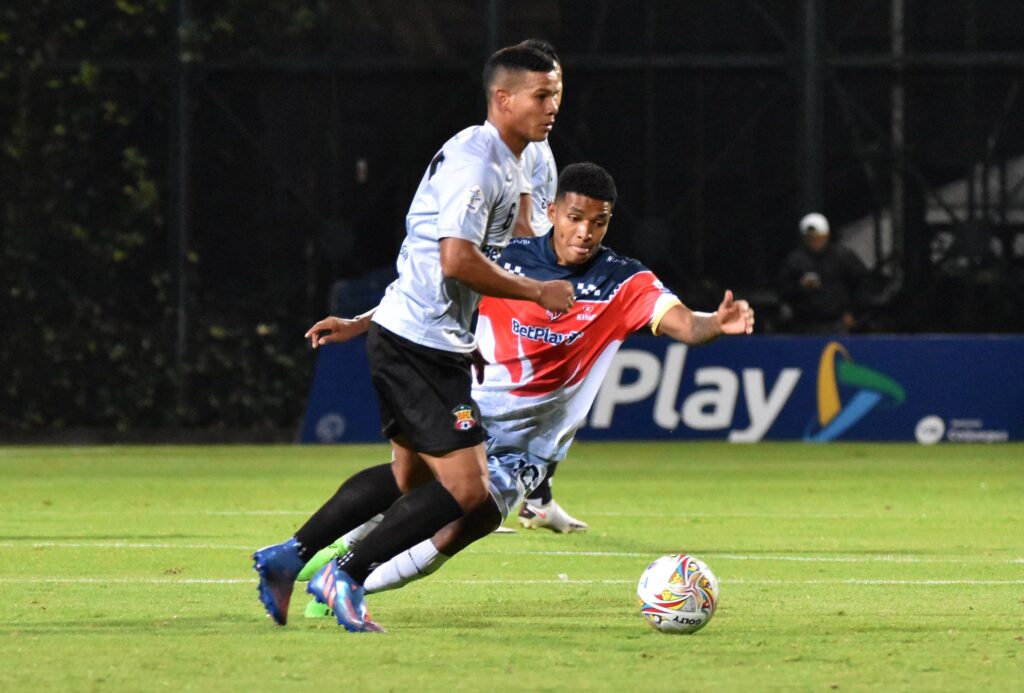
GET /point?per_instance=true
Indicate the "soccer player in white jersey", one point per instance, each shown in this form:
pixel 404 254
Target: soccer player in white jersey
pixel 540 174
pixel 419 347
pixel 545 367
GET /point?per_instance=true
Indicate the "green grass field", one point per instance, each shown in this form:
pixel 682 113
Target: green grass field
pixel 842 567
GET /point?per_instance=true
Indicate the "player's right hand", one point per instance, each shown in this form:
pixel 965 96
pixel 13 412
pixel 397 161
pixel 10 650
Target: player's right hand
pixel 332 329
pixel 557 296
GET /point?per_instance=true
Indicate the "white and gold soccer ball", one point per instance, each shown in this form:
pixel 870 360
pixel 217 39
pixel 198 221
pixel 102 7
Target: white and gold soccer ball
pixel 678 594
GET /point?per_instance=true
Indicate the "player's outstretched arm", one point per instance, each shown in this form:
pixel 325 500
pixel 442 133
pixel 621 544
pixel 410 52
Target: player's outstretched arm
pixel 332 329
pixel 462 260
pixel 690 327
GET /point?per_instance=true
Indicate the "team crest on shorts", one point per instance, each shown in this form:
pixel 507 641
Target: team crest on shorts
pixel 463 417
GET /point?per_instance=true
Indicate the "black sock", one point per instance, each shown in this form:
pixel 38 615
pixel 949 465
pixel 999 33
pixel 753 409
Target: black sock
pixel 414 517
pixel 542 494
pixel 362 496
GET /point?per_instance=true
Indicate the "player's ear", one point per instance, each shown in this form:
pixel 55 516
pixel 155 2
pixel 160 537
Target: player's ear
pixel 501 97
pixel 551 211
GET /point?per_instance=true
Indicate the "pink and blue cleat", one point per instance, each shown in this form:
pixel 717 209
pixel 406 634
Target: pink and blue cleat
pixel 333 586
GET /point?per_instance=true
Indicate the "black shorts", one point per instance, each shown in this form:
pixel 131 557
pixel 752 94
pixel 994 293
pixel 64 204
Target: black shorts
pixel 424 394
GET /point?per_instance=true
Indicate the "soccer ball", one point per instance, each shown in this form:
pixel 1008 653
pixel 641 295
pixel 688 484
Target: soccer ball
pixel 678 594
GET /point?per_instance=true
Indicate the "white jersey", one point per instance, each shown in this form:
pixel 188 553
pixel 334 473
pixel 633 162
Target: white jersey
pixel 540 182
pixel 470 191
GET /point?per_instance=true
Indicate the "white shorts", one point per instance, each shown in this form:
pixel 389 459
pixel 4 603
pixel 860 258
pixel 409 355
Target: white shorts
pixel 514 474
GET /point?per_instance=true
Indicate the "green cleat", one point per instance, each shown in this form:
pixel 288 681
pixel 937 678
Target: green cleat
pixel 317 610
pixel 320 559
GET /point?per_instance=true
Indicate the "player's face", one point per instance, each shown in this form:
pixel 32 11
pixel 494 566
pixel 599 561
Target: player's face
pixel 533 105
pixel 816 242
pixel 580 223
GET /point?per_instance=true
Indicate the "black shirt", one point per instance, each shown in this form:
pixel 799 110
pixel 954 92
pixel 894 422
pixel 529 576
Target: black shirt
pixel 840 273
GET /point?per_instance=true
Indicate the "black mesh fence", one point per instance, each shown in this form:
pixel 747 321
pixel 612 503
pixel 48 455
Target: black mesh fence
pixel 183 183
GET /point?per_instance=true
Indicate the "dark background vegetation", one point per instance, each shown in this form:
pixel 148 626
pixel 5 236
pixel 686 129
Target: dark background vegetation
pixel 183 182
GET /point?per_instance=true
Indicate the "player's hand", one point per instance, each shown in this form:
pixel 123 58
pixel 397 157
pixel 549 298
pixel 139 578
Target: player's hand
pixel 735 317
pixel 332 329
pixel 557 296
pixel 479 363
pixel 810 281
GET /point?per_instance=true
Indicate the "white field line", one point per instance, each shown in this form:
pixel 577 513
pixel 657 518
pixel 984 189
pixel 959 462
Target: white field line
pixel 828 558
pixel 567 581
pixel 666 516
pixel 119 545
pixel 103 512
pixel 243 513
pixel 765 515
pixel 741 581
pixel 662 516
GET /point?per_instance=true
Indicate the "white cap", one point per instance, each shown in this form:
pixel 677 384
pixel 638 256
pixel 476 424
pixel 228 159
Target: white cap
pixel 814 223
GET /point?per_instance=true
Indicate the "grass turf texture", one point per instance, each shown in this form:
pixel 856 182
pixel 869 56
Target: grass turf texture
pixel 842 567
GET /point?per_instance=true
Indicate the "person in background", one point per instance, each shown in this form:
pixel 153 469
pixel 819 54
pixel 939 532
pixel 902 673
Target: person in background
pixel 820 281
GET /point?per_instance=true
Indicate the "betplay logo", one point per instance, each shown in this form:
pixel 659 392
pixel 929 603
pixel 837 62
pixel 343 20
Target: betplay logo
pixel 712 405
pixel 872 389
pixel 709 408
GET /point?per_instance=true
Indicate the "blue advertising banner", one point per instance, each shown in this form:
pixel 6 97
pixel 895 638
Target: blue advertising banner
pixel 879 388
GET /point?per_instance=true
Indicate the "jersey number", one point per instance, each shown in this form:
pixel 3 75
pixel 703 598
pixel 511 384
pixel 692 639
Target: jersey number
pixel 510 218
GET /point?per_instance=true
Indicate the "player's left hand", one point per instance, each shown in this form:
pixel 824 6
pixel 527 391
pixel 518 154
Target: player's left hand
pixel 735 317
pixel 479 363
pixel 332 329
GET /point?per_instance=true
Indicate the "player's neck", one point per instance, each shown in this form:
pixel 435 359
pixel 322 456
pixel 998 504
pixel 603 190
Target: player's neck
pixel 514 142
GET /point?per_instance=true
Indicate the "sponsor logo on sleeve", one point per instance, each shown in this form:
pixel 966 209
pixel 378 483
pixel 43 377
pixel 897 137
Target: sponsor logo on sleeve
pixel 474 199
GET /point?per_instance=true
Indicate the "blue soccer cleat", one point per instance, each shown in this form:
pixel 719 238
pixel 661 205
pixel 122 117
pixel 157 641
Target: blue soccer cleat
pixel 332 586
pixel 277 566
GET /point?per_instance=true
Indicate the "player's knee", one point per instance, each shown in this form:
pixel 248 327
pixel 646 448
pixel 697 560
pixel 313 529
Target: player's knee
pixel 469 492
pixel 409 474
pixel 474 525
pixel 473 497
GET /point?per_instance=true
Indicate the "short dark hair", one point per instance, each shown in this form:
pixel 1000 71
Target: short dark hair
pixel 518 58
pixel 587 179
pixel 543 46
